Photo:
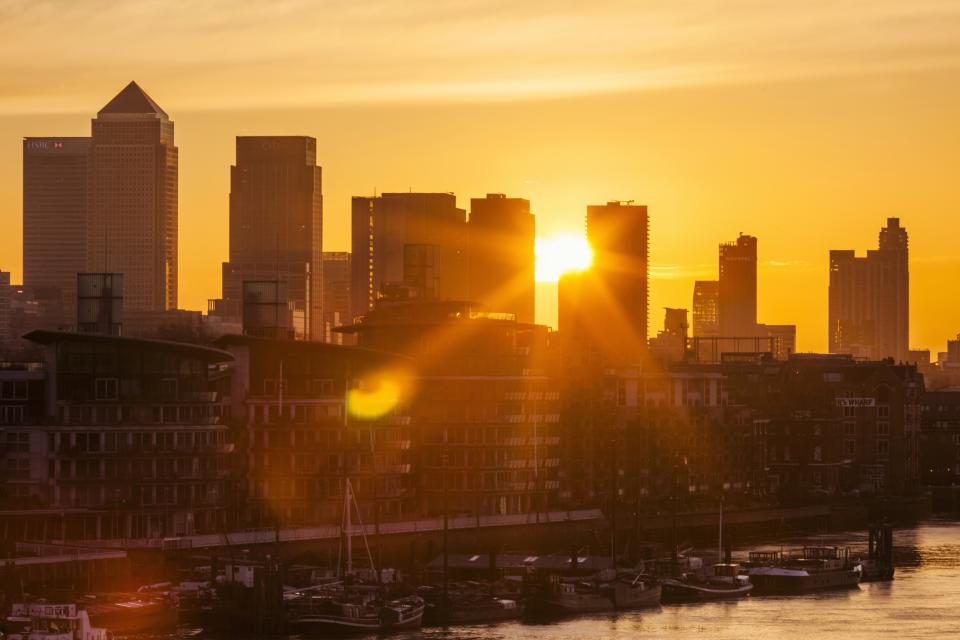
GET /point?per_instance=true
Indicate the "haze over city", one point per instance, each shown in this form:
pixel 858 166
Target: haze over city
pixel 804 128
pixel 479 319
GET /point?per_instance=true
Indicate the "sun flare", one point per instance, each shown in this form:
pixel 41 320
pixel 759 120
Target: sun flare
pixel 561 254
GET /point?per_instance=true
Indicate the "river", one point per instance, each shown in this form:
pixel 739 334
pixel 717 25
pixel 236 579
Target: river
pixel 923 601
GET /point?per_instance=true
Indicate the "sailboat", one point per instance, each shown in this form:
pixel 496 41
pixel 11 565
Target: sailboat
pixel 725 582
pixel 353 608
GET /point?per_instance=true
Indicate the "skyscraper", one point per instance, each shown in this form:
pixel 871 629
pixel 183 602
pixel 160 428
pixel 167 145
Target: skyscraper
pixel 870 298
pixel 706 302
pixel 336 295
pixel 410 245
pixel 132 211
pixel 276 222
pixel 502 233
pixel 618 233
pixel 737 297
pixel 55 180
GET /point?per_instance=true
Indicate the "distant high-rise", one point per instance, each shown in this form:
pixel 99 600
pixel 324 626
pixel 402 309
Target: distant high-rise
pixel 737 308
pixel 276 222
pixel 706 303
pixel 336 295
pixel 618 234
pixel 502 233
pixel 409 244
pixel 55 180
pixel 870 298
pixel 132 211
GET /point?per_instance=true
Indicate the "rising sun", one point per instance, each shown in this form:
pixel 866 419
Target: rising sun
pixel 560 254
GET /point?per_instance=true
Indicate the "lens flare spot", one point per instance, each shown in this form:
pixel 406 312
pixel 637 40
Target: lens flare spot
pixel 561 254
pixel 375 398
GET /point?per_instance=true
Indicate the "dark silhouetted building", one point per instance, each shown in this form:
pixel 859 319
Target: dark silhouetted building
pixel 484 415
pixel 784 336
pixel 125 440
pixel 502 234
pixel 737 289
pixel 268 312
pixel 289 400
pixel 670 345
pixel 940 445
pixel 276 222
pixel 615 291
pixel 100 303
pixel 836 425
pixel 132 213
pixel 336 295
pixel 870 298
pixel 55 183
pixel 706 304
pixel 408 245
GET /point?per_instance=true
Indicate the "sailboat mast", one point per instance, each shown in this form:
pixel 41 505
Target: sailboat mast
pixel 443 472
pixel 720 535
pixel 376 506
pixel 347 497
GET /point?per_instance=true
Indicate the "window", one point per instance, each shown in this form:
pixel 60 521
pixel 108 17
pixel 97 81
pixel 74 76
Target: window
pixel 321 387
pixel 849 412
pixel 18 468
pixel 11 414
pixel 883 411
pixel 883 447
pixel 18 442
pixel 883 428
pixel 168 388
pixel 849 448
pixel 106 388
pixel 850 428
pixel 13 390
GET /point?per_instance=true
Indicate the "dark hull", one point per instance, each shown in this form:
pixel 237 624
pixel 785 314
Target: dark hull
pixel 152 618
pixel 874 571
pixel 437 616
pixel 767 584
pixel 599 602
pixel 338 626
pixel 675 592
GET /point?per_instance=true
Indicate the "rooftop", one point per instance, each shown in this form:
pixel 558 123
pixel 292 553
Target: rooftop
pixel 207 354
pixel 132 100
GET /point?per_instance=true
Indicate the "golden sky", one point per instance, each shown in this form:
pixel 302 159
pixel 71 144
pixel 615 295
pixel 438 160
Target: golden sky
pixel 804 123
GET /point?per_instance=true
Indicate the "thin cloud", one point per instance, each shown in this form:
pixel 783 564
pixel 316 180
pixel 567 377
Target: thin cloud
pixel 683 272
pixel 58 55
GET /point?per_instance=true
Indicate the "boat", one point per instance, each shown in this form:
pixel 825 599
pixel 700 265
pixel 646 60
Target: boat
pixel 468 605
pixel 128 614
pixel 609 590
pixel 725 583
pixel 355 612
pixel 48 621
pixel 816 569
pixel 348 607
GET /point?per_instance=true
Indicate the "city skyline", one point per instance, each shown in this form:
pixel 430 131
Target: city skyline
pixel 513 319
pixel 825 147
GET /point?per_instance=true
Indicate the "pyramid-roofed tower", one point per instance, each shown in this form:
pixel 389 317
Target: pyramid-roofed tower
pixel 132 100
pixel 132 195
